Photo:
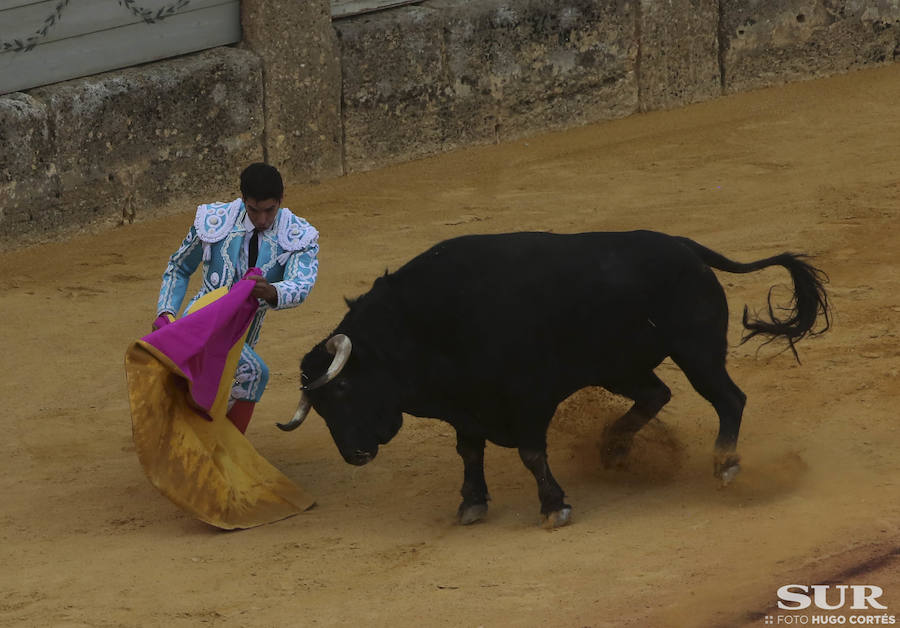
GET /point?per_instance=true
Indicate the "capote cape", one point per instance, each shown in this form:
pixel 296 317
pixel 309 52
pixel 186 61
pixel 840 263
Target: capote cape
pixel 179 379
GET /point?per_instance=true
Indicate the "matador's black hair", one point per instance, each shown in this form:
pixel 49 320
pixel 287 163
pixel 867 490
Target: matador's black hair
pixel 261 182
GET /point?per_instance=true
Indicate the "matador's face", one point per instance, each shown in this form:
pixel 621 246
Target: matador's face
pixel 262 212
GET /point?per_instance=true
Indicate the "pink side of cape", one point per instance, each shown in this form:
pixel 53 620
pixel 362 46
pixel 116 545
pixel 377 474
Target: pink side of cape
pixel 199 342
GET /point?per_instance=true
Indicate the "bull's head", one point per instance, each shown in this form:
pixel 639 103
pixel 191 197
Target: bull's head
pixel 350 396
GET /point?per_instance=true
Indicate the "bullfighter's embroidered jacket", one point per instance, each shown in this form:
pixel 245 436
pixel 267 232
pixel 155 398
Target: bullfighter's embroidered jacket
pixel 288 258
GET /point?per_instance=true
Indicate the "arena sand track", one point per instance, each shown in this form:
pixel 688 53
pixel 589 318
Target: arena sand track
pixel 814 167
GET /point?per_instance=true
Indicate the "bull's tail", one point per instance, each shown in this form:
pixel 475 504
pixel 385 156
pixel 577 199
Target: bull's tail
pixel 809 303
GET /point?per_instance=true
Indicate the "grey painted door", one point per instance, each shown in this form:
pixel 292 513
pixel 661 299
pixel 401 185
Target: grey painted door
pixel 46 41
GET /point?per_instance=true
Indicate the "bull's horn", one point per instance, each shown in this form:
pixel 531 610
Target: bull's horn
pixel 302 410
pixel 339 346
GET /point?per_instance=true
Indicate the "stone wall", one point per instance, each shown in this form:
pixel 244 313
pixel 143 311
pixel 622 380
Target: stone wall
pixel 302 83
pixel 765 42
pixel 320 99
pixel 124 145
pixel 100 149
pixel 449 73
pixel 679 53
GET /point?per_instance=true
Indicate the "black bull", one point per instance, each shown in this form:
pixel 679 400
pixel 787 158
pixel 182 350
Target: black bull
pixel 490 333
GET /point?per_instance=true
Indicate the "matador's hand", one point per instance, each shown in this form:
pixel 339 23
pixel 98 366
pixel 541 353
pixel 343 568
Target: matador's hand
pixel 162 320
pixel 264 290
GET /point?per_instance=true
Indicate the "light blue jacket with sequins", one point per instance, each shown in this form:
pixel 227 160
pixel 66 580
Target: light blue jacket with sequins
pixel 288 258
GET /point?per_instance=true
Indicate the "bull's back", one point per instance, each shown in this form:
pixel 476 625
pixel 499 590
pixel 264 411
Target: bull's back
pixel 543 271
pixel 565 295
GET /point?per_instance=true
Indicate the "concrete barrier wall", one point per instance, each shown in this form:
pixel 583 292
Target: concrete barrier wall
pixel 302 81
pixel 765 42
pixel 452 73
pixel 103 148
pixel 449 73
pixel 320 99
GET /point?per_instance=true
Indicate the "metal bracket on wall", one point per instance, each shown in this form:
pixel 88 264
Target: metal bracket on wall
pixel 348 8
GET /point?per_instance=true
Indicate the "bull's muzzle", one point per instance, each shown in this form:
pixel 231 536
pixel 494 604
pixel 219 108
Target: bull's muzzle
pixel 339 346
pixel 360 457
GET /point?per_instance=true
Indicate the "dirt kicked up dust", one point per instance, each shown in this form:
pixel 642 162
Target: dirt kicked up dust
pixel 812 167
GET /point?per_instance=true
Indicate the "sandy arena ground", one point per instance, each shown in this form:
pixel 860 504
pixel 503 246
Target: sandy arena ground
pixel 814 167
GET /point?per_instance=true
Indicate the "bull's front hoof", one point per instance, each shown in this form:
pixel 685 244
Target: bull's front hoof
pixel 558 518
pixel 467 515
pixel 726 467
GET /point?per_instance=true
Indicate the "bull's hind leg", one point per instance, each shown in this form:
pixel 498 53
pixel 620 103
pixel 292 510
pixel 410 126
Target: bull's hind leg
pixel 474 489
pixel 555 511
pixel 649 395
pixel 707 374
